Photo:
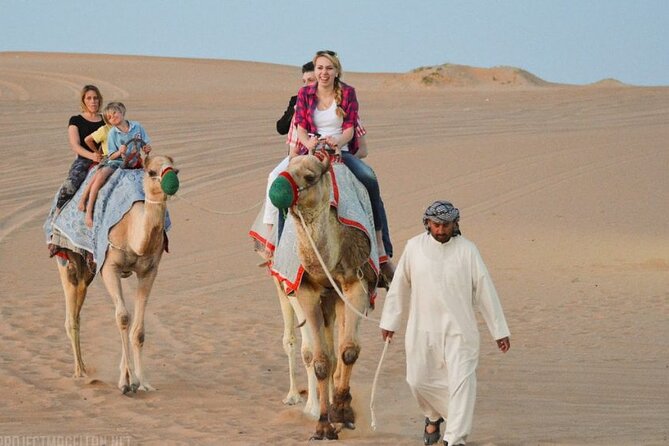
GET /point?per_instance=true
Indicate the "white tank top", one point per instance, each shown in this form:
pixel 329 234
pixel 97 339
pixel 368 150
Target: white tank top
pixel 328 122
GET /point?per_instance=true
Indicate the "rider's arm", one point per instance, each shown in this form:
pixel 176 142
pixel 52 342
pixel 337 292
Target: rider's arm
pixel 75 145
pixel 307 140
pixel 90 142
pixel 362 148
pixel 341 140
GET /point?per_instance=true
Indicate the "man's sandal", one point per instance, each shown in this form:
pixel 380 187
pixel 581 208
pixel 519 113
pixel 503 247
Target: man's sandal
pixel 432 437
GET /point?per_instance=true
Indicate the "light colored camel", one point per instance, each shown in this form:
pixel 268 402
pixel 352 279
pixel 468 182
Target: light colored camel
pixel 345 251
pixel 136 245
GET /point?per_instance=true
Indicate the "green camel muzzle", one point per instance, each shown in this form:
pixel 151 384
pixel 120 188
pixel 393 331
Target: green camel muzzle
pixel 283 193
pixel 169 181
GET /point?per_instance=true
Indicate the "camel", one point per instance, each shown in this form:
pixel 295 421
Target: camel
pixel 345 251
pixel 136 245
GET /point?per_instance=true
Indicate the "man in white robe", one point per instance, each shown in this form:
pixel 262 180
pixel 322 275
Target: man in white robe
pixel 443 275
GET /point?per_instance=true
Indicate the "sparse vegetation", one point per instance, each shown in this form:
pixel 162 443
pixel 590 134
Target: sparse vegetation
pixel 432 78
pixel 431 67
pixel 419 69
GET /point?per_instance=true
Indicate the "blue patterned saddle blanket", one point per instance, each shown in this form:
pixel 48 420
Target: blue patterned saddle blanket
pixel 68 230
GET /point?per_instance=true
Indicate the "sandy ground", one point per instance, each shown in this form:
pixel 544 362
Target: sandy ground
pixel 563 188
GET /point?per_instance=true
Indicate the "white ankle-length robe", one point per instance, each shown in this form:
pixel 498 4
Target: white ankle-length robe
pixel 445 284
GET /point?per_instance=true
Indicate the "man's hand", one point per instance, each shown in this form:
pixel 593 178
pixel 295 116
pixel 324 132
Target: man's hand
pixel 504 344
pixel 387 334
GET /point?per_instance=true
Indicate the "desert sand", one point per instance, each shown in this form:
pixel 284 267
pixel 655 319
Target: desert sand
pixel 563 188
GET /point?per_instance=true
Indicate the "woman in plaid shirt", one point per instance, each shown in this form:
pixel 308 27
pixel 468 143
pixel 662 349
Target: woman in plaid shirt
pixel 329 110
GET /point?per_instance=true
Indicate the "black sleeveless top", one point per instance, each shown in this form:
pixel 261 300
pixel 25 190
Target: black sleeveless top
pixel 85 128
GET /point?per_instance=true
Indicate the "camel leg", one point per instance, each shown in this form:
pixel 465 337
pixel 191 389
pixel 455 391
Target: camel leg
pixel 289 342
pixel 137 333
pixel 112 280
pixel 310 302
pixel 348 351
pixel 311 407
pixel 330 315
pixel 74 288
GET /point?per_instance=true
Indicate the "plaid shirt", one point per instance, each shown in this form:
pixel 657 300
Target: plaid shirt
pixel 306 104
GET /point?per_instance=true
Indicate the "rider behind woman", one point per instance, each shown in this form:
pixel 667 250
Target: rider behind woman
pixel 79 128
pixel 329 108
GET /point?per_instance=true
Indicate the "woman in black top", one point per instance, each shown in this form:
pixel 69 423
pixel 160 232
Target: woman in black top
pixel 79 128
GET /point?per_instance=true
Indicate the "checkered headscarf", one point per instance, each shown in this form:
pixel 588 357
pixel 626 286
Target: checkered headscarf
pixel 441 212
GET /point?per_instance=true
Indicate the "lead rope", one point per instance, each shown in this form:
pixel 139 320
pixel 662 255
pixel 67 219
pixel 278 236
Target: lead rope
pixel 376 378
pixel 355 310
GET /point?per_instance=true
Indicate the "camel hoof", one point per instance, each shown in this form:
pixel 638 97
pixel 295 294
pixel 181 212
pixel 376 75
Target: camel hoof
pixel 330 435
pixel 146 388
pixel 125 389
pixel 134 387
pixel 292 399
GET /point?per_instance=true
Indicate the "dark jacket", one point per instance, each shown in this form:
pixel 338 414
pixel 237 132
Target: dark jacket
pixel 283 124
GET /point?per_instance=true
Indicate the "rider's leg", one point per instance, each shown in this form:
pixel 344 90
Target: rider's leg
pixel 367 177
pixel 75 176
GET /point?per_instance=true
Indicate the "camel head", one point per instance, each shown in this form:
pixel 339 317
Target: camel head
pixel 304 173
pixel 161 177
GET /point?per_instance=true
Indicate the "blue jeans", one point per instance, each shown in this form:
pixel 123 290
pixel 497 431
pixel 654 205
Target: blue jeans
pixel 367 177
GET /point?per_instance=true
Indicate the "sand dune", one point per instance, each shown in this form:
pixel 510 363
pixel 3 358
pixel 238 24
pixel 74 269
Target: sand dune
pixel 562 188
pixel 453 75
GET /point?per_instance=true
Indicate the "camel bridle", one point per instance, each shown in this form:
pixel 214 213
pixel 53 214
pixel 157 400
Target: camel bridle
pixel 159 177
pixel 297 189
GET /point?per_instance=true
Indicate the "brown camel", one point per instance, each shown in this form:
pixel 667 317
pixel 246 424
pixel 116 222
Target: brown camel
pixel 345 251
pixel 136 245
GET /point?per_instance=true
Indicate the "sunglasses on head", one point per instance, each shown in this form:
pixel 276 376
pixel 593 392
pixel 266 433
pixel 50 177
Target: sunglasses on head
pixel 328 52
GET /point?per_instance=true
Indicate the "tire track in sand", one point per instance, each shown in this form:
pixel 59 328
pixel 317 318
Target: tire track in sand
pixel 71 82
pixel 16 91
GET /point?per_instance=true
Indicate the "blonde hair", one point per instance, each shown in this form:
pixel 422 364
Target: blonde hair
pixel 85 90
pixel 114 106
pixel 332 57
